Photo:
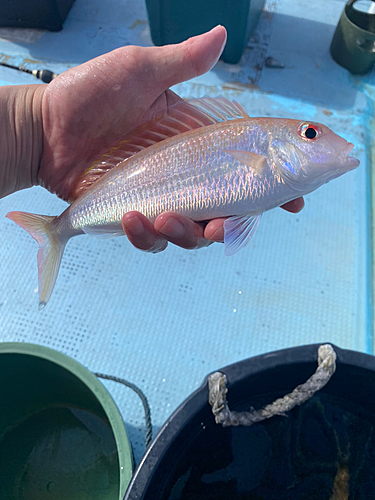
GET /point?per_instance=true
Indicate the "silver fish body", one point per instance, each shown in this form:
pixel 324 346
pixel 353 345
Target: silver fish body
pixel 193 175
pixel 234 166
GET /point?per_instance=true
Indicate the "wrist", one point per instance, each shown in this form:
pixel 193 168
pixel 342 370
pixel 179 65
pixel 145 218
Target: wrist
pixel 21 138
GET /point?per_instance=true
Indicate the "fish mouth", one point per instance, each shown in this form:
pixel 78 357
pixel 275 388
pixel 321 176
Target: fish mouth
pixel 348 161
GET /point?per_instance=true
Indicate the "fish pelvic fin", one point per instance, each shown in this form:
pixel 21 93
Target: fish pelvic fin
pixel 239 231
pixel 51 249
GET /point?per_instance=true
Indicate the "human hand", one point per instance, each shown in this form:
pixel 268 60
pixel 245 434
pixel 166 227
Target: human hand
pixel 180 230
pixel 88 109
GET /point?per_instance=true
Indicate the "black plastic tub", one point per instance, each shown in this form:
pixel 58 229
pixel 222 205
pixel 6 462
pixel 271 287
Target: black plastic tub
pixel 323 448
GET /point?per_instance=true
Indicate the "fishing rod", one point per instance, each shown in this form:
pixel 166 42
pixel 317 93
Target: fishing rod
pixel 42 74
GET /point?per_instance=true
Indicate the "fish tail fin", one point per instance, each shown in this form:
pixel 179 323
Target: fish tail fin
pixel 51 249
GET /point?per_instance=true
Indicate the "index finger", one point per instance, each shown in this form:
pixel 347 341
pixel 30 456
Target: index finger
pixel 214 230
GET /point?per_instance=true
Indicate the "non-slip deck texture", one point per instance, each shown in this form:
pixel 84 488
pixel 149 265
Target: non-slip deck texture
pixel 165 321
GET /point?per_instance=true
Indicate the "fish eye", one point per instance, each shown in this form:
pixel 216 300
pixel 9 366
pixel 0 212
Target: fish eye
pixel 309 131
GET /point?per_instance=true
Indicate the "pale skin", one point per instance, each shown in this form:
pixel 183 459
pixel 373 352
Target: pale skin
pixel 51 133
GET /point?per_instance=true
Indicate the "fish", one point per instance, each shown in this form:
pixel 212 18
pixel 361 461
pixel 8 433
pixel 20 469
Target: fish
pixel 204 158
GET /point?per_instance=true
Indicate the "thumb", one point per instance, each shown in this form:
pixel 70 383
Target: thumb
pixel 186 60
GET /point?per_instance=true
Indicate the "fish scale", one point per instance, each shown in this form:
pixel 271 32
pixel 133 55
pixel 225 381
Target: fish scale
pixel 215 161
pixel 192 170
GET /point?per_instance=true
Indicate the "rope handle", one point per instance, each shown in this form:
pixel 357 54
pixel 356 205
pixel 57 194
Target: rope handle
pixel 217 393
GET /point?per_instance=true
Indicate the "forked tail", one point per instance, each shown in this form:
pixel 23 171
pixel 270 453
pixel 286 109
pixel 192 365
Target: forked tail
pixel 51 249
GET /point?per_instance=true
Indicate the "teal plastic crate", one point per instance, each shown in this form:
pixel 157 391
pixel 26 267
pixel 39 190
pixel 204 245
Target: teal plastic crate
pixel 172 21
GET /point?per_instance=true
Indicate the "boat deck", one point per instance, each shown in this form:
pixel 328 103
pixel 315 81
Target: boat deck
pixel 165 321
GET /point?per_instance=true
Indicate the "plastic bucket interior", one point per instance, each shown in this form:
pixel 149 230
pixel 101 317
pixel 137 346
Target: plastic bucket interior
pixel 61 435
pixel 321 450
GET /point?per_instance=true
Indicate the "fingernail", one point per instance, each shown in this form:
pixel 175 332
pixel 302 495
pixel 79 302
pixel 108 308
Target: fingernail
pixel 299 203
pixel 172 228
pixel 221 48
pixel 218 235
pixel 135 226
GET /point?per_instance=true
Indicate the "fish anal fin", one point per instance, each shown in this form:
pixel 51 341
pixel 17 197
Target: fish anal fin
pixel 252 160
pixel 104 232
pixel 238 232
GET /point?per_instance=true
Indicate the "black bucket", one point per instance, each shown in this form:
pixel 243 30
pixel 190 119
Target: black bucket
pixel 320 450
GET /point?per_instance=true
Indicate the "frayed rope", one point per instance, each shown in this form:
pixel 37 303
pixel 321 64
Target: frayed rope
pixel 218 390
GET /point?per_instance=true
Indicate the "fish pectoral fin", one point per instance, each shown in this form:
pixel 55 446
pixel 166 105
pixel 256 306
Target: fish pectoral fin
pixel 252 160
pixel 104 232
pixel 238 232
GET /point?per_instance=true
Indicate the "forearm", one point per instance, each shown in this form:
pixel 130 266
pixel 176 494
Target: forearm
pixel 21 137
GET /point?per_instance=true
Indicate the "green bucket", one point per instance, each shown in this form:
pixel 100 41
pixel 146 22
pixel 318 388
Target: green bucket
pixel 61 434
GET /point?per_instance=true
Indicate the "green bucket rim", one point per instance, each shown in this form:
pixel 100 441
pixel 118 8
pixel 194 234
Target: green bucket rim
pixel 97 388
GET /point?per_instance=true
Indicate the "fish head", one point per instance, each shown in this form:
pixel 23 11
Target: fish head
pixel 309 154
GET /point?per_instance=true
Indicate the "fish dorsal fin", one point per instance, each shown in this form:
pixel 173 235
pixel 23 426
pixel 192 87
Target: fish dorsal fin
pixel 219 108
pixel 181 117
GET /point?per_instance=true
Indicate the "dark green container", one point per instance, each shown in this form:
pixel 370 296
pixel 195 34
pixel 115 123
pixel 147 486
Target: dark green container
pixel 37 14
pixel 353 44
pixel 173 21
pixel 61 434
